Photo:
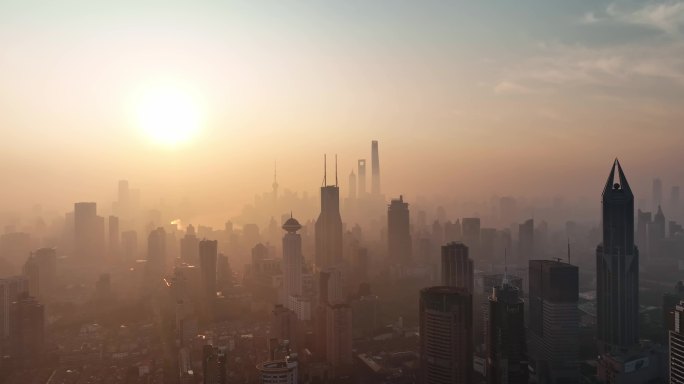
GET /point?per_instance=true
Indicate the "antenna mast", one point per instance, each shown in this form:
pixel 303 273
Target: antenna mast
pixel 325 171
pixel 336 169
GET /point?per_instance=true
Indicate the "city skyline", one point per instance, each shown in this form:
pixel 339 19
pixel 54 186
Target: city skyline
pixel 444 94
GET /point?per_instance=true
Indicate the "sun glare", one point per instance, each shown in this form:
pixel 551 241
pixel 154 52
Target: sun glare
pixel 168 115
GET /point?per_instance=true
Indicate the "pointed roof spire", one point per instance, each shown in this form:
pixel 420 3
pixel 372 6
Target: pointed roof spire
pixel 621 184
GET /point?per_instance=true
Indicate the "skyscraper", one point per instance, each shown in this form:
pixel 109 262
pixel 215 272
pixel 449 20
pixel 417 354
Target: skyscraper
pixel 457 267
pixel 506 344
pixel 339 337
pixel 156 252
pixel 526 242
pixel 362 177
pixel 114 243
pixel 398 231
pixel 293 262
pixel 214 360
pixel 617 267
pixel 375 158
pixel 446 335
pixel 676 347
pixel 352 185
pixel 554 321
pixel 208 255
pixel 189 247
pixel 11 288
pixel 471 234
pixel 657 192
pixel 88 232
pixel 328 234
pixel 27 327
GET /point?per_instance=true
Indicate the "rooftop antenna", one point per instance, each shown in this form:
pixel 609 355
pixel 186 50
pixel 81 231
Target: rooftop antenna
pixel 325 171
pixel 568 250
pixel 336 169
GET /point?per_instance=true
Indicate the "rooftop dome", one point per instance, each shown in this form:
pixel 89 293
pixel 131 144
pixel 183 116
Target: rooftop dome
pixel 292 225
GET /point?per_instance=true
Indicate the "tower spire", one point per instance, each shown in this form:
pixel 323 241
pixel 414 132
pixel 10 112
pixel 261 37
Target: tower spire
pixel 325 171
pixel 568 250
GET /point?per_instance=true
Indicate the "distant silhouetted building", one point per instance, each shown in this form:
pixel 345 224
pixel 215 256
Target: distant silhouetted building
pixel 189 247
pixel 11 288
pixel 361 177
pixel 129 245
pixel 156 252
pixel 657 192
pixel 376 167
pixel 446 335
pixel 208 255
pixel 471 234
pixel 554 321
pixel 352 185
pixel 398 231
pixel 293 263
pixel 457 266
pixel 114 238
pixel 26 328
pixel 339 337
pixel 526 242
pixel 617 267
pixel 88 232
pixel 506 344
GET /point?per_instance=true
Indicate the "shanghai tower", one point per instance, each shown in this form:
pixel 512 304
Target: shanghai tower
pixel 617 267
pixel 375 158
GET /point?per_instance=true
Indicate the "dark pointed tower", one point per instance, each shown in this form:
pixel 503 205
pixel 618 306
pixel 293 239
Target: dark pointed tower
pixel 617 267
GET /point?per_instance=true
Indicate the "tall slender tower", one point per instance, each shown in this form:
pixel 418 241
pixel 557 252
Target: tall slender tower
pixel 293 261
pixel 352 185
pixel 328 234
pixel 617 267
pixel 362 177
pixel 376 168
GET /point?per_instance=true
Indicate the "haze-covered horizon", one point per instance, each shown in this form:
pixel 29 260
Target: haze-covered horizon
pixel 465 99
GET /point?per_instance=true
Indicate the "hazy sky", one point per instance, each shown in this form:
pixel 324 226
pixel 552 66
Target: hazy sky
pixel 522 97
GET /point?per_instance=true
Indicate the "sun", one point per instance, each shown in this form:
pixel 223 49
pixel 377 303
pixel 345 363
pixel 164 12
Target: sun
pixel 168 115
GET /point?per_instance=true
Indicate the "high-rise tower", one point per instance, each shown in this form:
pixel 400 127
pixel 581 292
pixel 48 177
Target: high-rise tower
pixel 208 255
pixel 362 177
pixel 293 262
pixel 457 267
pixel 617 267
pixel 328 234
pixel 506 344
pixel 376 168
pixel 398 231
pixel 446 335
pixel 352 185
pixel 554 321
pixel 657 192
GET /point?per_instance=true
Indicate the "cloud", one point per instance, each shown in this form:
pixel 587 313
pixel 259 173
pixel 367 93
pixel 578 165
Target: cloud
pixel 511 88
pixel 667 17
pixel 624 69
